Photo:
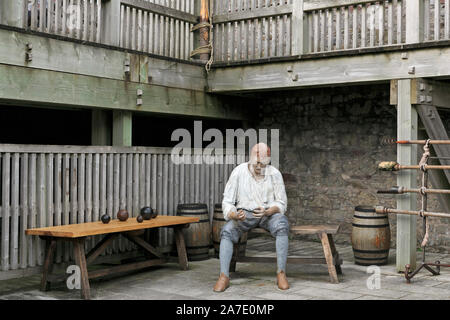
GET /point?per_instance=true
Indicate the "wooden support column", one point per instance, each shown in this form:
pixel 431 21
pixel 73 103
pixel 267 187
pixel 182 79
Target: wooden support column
pixel 414 21
pixel 299 29
pixel 122 128
pixel 407 124
pixel 12 12
pixel 111 23
pixel 101 128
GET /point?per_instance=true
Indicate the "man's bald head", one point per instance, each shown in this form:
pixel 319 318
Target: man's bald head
pixel 260 153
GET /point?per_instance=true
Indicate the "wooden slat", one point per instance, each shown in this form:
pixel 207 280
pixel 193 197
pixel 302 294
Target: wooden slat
pixel 6 189
pixel 99 20
pixel 81 187
pixel 390 24
pixel 437 25
pixel 24 212
pixel 372 20
pixel 32 244
pixel 117 188
pixel 399 21
pixel 14 211
pixel 363 25
pixel 66 201
pixel 447 19
pixel 58 187
pixel 426 19
pixel 380 7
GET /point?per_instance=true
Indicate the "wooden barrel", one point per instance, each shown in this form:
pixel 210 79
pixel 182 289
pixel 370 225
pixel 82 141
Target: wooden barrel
pixel 198 235
pixel 217 224
pixel 371 236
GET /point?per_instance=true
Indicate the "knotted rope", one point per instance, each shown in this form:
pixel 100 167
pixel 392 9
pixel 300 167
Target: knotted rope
pixel 206 48
pixel 422 165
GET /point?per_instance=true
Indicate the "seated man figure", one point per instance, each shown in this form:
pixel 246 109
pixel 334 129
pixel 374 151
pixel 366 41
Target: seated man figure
pixel 254 196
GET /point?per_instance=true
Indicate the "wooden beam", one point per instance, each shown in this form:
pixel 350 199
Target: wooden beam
pixel 101 128
pixel 34 87
pixel 414 21
pixel 432 93
pixel 122 128
pixel 98 60
pixel 299 29
pixel 253 14
pixel 110 29
pixel 161 10
pixel 12 13
pixel 333 70
pixel 406 154
pixel 327 4
pixel 436 131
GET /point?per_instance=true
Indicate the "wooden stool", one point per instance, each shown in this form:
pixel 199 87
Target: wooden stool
pixel 325 233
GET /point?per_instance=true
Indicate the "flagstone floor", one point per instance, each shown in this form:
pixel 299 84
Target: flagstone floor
pixel 252 281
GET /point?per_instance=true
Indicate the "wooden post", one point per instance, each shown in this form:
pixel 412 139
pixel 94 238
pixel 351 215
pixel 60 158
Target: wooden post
pixel 110 32
pixel 12 12
pixel 101 128
pixel 122 128
pixel 414 21
pixel 300 32
pixel 407 123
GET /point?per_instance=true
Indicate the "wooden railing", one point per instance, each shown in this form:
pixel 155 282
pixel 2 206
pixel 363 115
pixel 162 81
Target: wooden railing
pixel 246 30
pixel 79 19
pixel 360 24
pixel 160 27
pixel 257 29
pixel 243 30
pixel 56 185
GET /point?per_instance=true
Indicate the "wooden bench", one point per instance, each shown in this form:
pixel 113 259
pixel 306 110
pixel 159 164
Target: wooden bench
pixel 325 233
pixel 130 229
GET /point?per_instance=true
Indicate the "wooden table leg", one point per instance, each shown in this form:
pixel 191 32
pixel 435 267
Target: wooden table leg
pixel 181 248
pixel 335 254
pixel 100 247
pixel 329 257
pixel 80 259
pixel 50 245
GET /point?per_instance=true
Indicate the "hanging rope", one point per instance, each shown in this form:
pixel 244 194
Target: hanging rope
pixel 422 165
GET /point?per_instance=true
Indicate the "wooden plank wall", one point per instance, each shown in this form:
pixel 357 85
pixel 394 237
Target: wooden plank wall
pixel 361 24
pixel 251 29
pixel 47 185
pixel 79 19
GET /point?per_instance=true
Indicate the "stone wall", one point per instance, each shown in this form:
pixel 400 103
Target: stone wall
pixel 331 141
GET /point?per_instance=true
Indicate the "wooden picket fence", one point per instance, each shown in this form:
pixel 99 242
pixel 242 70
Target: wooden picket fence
pixel 57 185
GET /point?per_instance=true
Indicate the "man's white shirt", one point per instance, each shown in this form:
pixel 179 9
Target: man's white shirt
pixel 244 191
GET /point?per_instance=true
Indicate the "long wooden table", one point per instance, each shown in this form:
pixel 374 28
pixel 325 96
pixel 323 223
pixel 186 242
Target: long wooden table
pixel 130 229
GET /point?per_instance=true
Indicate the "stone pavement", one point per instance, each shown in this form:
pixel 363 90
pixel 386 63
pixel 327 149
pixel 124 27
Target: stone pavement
pixel 252 281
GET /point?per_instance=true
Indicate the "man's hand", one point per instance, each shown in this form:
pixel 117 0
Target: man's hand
pixel 240 215
pixel 261 212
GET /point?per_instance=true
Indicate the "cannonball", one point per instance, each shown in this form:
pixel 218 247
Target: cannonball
pixel 146 213
pixel 122 215
pixel 140 219
pixel 105 218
